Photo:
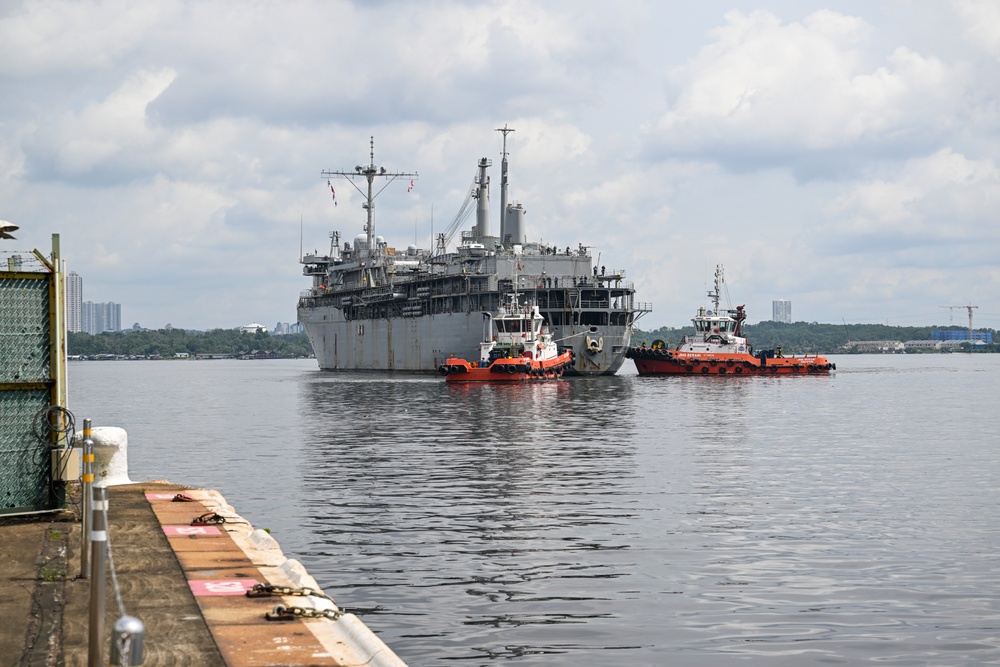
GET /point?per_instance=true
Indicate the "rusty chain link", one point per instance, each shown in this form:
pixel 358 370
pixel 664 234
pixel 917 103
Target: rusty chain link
pixel 268 590
pixel 283 613
pixel 208 517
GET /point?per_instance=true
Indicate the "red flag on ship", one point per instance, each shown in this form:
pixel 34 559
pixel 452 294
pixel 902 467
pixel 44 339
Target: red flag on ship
pixel 411 187
pixel 334 193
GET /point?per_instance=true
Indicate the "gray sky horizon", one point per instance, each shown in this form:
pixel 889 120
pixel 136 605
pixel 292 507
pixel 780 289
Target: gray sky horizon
pixel 843 156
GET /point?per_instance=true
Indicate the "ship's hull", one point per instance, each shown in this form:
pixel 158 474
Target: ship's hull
pixel 422 344
pixel 518 369
pixel 661 361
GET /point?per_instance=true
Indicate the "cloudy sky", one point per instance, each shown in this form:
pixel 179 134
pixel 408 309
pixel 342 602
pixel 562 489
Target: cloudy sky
pixel 845 156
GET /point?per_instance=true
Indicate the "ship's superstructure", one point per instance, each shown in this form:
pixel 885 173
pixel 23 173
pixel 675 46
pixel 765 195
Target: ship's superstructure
pixel 374 307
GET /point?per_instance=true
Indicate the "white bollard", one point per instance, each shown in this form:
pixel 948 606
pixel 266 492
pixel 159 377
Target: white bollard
pixel 110 455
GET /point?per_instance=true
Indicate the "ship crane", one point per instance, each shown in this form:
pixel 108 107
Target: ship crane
pixel 969 308
pixel 444 238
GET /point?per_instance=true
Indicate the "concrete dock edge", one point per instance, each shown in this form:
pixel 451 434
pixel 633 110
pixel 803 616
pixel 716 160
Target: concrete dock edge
pixel 183 568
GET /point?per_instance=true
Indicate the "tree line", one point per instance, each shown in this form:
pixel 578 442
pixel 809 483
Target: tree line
pixel 799 337
pixel 809 337
pixel 170 342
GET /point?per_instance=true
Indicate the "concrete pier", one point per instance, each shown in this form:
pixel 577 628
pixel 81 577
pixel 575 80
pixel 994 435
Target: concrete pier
pixel 184 572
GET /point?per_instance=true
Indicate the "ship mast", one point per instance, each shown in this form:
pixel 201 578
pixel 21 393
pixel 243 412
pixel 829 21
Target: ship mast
pixel 369 172
pixel 503 185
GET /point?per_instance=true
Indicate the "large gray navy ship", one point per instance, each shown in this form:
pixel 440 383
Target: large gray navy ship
pixel 375 307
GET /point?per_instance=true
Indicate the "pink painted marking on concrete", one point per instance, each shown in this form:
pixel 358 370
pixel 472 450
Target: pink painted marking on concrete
pixel 202 587
pixel 191 530
pixel 160 496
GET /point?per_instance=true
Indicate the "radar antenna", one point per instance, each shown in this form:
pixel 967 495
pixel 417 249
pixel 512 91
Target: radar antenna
pixel 369 173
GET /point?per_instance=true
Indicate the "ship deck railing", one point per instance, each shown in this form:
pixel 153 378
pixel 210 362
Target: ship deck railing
pixel 548 281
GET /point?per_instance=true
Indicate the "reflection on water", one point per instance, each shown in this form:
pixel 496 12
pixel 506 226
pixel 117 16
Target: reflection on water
pixel 618 521
pixel 471 512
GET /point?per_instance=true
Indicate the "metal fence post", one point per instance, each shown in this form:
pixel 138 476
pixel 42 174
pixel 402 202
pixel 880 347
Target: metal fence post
pixel 85 495
pixel 98 576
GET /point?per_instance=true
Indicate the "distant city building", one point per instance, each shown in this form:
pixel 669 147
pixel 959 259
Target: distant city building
pixel 962 334
pixel 74 302
pixel 100 317
pixel 253 327
pixel 782 311
pixel 284 328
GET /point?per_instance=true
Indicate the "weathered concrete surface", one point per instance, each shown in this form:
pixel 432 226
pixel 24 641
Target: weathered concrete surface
pixel 187 588
pixel 32 564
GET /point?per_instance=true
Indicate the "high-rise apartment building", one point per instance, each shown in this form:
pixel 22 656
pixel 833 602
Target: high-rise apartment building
pixel 781 311
pixel 74 302
pixel 100 317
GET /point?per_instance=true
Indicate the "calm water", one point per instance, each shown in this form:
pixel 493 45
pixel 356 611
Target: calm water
pixel 613 521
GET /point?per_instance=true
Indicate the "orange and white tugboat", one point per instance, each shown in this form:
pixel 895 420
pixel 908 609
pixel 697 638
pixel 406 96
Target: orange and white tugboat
pixel 719 347
pixel 517 347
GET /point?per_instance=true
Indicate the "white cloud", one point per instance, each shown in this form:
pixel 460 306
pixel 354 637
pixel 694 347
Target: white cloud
pixel 114 128
pixel 944 197
pixel 982 23
pixel 765 93
pixel 47 39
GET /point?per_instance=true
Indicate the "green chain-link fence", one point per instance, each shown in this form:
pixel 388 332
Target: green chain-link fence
pixel 29 383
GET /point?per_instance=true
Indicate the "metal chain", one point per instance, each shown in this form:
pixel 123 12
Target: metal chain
pixel 268 590
pixel 111 564
pixel 208 517
pixel 283 613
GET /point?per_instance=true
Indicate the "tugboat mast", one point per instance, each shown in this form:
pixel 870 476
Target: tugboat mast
pixel 370 172
pixel 714 295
